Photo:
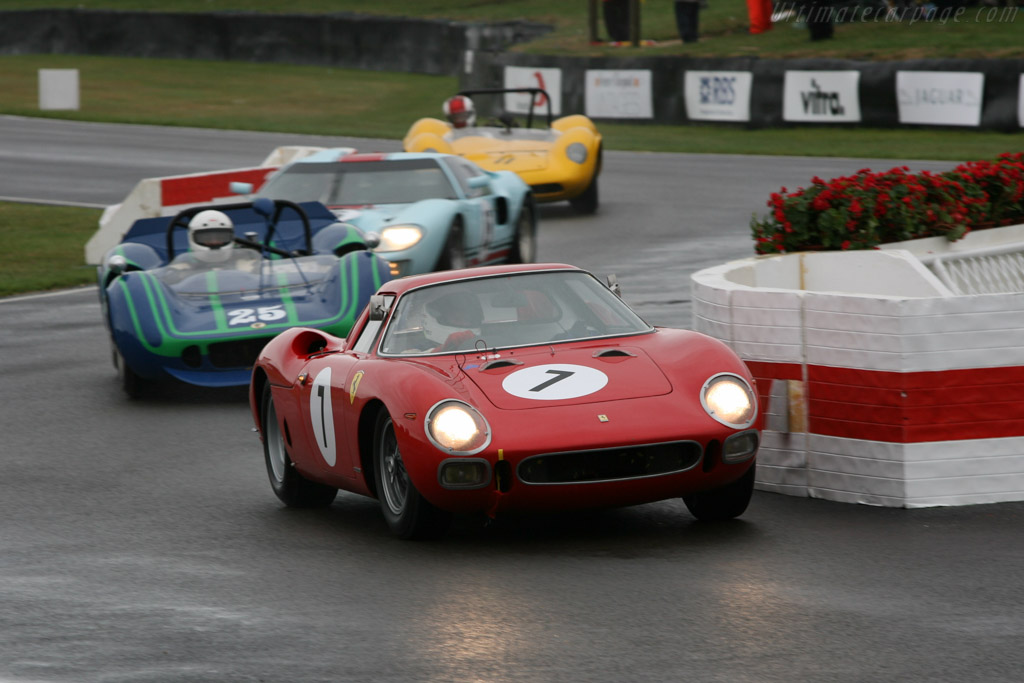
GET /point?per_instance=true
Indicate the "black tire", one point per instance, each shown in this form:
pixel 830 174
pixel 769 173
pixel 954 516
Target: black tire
pixel 725 502
pixel 131 383
pixel 292 488
pixel 453 256
pixel 587 202
pixel 407 513
pixel 524 241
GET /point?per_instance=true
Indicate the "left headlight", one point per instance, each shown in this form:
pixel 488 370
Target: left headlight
pixel 457 427
pixel 399 237
pixel 577 152
pixel 730 400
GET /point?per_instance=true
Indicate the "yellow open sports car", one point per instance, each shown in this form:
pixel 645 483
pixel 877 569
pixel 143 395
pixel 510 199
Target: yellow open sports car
pixel 559 161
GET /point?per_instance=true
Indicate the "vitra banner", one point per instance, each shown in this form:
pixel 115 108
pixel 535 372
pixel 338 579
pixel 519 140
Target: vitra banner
pixel 821 96
pixel 949 98
pixel 717 95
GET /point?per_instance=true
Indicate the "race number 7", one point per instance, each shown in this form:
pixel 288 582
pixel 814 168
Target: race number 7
pixel 559 375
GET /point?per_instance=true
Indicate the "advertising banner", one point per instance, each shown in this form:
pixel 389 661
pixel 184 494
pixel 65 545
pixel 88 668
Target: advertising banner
pixel 950 98
pixel 1020 102
pixel 717 95
pixel 549 80
pixel 821 96
pixel 618 94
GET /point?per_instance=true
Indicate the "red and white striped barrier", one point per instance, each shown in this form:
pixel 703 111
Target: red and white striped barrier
pixel 880 384
pixel 154 197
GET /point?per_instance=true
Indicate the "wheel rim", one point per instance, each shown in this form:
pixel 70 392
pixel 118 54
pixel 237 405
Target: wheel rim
pixel 394 480
pixel 276 455
pixel 526 242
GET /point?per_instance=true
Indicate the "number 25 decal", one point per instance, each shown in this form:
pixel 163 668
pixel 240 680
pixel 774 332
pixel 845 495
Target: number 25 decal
pixel 247 316
pixel 554 382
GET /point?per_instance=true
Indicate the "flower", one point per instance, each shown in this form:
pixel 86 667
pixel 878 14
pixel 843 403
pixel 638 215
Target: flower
pixel 869 208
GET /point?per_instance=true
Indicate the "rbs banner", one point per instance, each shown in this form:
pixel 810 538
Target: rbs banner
pixel 821 96
pixel 717 95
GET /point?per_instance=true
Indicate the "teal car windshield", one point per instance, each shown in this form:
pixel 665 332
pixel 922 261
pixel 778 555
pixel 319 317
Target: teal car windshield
pixel 506 311
pixel 360 183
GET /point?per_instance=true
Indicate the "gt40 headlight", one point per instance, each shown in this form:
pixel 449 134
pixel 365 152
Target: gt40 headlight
pixel 457 427
pixel 730 400
pixel 577 152
pixel 399 237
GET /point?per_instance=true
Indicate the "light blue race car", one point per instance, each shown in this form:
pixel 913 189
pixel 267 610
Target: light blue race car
pixel 431 211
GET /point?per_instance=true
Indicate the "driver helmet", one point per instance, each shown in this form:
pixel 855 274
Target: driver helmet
pixel 211 236
pixel 460 111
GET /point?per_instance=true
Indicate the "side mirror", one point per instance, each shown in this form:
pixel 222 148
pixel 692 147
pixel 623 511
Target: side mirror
pixel 372 239
pixel 613 284
pixel 238 187
pixel 479 181
pixel 378 307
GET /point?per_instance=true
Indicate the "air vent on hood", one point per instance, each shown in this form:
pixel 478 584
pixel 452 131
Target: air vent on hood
pixel 499 363
pixel 612 353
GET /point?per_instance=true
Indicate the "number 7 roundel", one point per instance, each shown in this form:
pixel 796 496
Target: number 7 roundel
pixel 554 382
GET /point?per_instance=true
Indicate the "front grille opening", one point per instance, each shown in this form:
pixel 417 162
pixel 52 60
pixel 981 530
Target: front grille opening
pixel 238 353
pixel 547 188
pixel 191 356
pixel 711 456
pixel 610 464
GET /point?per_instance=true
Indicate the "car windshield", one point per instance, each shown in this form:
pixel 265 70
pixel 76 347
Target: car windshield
pixel 496 312
pixel 359 183
pixel 243 271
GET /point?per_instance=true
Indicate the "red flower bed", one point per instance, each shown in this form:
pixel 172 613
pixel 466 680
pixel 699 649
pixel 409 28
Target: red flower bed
pixel 866 209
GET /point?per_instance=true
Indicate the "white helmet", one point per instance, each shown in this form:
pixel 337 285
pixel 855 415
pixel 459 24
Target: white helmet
pixel 460 111
pixel 211 235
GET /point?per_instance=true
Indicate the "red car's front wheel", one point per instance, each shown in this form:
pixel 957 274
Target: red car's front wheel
pixel 407 513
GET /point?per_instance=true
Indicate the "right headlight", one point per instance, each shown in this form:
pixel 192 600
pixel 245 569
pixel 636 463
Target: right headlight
pixel 577 152
pixel 399 237
pixel 730 400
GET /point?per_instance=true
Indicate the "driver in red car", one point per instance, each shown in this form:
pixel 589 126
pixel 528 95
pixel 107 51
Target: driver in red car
pixel 456 318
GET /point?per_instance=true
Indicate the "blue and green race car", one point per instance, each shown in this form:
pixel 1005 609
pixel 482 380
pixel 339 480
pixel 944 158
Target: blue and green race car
pixel 197 306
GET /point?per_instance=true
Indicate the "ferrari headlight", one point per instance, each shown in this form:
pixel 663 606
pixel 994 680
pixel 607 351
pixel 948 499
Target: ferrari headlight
pixel 577 152
pixel 399 237
pixel 457 427
pixel 730 400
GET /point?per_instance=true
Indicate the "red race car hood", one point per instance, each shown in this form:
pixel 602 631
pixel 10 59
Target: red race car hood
pixel 532 378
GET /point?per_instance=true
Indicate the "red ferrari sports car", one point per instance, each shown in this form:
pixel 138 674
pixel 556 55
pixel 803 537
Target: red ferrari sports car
pixel 505 388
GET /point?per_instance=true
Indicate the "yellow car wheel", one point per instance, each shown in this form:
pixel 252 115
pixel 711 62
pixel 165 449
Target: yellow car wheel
pixel 587 202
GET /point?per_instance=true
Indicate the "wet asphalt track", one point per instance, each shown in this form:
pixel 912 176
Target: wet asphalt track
pixel 139 541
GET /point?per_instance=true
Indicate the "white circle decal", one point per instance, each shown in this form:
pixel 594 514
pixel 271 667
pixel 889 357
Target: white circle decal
pixel 321 414
pixel 554 382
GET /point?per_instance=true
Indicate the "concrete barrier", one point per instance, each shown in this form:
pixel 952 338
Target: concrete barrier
pixel 881 384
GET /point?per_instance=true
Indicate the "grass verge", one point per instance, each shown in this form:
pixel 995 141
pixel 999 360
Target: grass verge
pixel 43 247
pixel 328 101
